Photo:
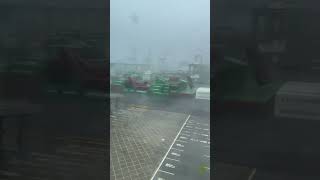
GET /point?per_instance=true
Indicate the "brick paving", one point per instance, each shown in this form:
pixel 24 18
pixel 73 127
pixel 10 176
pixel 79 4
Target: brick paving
pixel 139 139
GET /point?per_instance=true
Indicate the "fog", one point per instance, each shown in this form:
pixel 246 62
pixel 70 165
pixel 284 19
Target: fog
pixel 147 30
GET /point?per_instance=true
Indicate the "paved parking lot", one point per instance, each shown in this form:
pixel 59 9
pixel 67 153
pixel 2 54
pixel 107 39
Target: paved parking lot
pixel 188 157
pixel 139 139
pixel 144 129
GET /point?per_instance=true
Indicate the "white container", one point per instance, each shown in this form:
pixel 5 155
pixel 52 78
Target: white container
pixel 203 93
pixel 202 101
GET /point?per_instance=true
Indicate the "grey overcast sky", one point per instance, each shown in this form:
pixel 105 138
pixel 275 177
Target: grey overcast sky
pixel 175 29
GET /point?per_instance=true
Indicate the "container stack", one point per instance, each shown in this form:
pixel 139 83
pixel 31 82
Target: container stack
pixel 160 87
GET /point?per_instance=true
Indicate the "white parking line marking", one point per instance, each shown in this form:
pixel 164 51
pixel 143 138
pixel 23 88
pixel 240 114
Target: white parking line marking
pixel 186 135
pixel 177 149
pixel 164 172
pixel 182 137
pixel 176 154
pixel 158 169
pixel 173 159
pixel 181 141
pixel 180 145
pixel 170 165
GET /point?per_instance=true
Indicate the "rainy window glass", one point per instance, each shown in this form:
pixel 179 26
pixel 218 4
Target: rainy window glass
pixel 160 89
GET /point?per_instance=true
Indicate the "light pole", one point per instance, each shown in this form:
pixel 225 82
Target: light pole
pixel 135 20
